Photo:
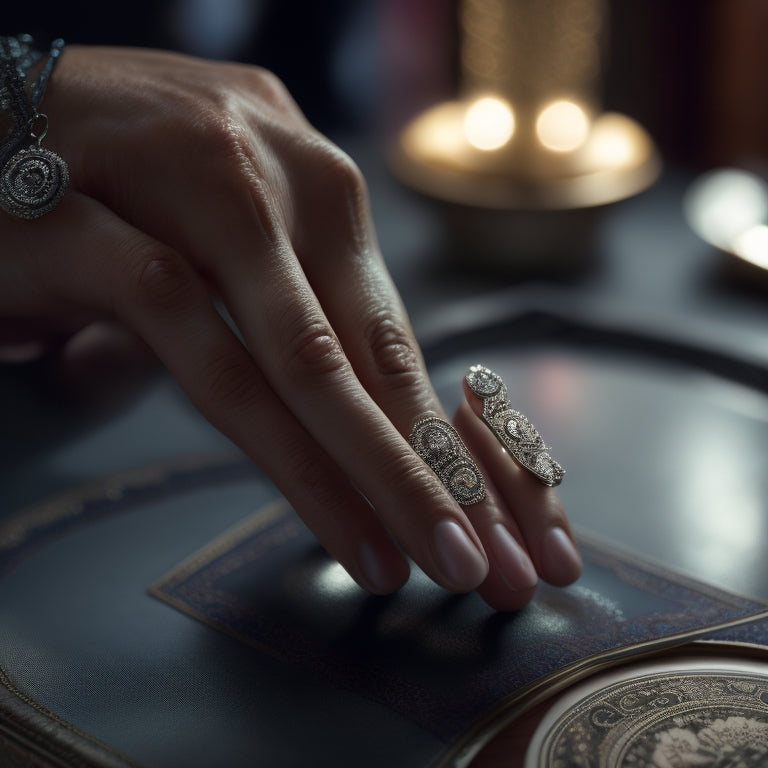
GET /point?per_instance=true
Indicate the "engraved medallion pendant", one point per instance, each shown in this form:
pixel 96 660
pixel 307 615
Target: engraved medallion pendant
pixel 33 182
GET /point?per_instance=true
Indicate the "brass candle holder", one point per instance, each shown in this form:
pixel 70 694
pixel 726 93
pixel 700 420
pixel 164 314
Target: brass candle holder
pixel 526 137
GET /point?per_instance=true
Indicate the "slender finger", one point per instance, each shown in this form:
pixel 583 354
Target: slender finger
pixel 302 357
pixel 373 326
pixel 336 244
pixel 224 382
pixel 535 507
pixel 512 578
pixel 342 258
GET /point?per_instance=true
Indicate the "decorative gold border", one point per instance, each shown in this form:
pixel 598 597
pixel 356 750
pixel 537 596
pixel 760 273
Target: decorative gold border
pixel 18 527
pixel 271 512
pixel 52 747
pixel 255 522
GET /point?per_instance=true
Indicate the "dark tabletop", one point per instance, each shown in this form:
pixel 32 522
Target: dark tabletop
pixel 644 367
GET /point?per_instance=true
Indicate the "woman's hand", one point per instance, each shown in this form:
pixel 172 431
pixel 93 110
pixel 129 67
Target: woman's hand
pixel 198 186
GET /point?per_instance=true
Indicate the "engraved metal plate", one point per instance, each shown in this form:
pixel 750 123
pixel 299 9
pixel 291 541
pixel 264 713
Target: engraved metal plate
pixel 690 713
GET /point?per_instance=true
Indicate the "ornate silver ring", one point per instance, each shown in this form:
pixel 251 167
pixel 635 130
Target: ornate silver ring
pixel 441 447
pixel 513 430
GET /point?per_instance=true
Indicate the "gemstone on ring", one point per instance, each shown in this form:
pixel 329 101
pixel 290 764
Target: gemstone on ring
pixel 442 449
pixel 511 428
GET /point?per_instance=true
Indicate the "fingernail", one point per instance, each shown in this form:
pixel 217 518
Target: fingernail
pixel 458 558
pixel 561 560
pixel 512 560
pixel 376 572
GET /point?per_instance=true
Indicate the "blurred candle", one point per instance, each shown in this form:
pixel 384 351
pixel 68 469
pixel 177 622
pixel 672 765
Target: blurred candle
pixel 489 123
pixel 543 58
pixel 526 132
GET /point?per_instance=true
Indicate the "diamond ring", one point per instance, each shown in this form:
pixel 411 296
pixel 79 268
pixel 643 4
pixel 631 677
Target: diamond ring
pixel 442 448
pixel 513 430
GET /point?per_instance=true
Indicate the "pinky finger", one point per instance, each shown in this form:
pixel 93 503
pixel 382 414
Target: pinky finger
pixel 533 508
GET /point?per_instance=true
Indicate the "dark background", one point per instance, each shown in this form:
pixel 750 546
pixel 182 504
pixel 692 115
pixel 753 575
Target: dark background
pixel 693 72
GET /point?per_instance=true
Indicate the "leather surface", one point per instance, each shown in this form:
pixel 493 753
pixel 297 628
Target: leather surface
pixel 663 434
pixel 32 737
pixel 664 445
pixel 393 681
pixel 81 637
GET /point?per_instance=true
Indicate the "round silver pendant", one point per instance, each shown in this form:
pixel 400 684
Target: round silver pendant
pixel 33 182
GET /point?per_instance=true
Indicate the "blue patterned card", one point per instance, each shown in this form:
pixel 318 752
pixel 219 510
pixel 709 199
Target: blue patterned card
pixel 448 663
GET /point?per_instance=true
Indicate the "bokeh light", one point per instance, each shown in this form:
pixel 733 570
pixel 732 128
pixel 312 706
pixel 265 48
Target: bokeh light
pixel 489 123
pixel 728 208
pixel 563 126
pixel 752 245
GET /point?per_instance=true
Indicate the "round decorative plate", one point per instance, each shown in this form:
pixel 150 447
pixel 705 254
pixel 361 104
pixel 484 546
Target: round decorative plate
pixel 690 713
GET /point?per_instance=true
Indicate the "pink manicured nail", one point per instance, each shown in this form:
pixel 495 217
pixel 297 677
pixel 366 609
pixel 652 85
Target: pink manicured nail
pixel 561 560
pixel 512 560
pixel 458 558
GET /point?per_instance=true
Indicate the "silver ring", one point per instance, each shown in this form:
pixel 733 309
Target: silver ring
pixel 513 430
pixel 441 447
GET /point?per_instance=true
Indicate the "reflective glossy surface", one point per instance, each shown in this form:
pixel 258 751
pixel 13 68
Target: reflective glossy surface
pixel 728 208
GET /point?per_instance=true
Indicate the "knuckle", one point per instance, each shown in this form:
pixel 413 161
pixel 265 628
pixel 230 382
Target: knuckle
pixel 313 349
pixel 271 88
pixel 344 198
pixel 342 174
pixel 407 474
pixel 393 350
pixel 239 178
pixel 311 477
pixel 229 383
pixel 158 278
pixel 220 134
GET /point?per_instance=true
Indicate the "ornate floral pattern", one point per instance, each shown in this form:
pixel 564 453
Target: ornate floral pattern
pixel 513 430
pixel 442 448
pixel 696 719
